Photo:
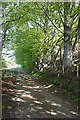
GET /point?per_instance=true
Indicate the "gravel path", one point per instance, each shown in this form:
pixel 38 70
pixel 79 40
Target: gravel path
pixel 31 99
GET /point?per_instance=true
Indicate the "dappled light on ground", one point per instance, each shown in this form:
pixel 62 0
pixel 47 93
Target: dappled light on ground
pixel 27 96
pixel 51 112
pixel 30 99
pixel 39 108
pixel 62 113
pixel 53 103
pixel 38 102
pixel 74 113
pixel 18 99
pixel 31 87
pixel 49 86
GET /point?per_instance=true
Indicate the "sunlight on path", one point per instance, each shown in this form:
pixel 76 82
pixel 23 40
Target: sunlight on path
pixel 31 99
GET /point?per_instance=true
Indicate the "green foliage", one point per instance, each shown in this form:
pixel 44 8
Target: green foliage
pixel 3 63
pixel 28 46
pixel 35 31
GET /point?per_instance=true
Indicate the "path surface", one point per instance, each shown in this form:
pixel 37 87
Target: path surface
pixel 30 99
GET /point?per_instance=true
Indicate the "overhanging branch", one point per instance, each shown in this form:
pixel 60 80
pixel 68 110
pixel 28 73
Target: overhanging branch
pixel 50 19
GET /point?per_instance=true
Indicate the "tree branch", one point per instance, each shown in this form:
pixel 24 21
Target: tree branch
pixel 50 19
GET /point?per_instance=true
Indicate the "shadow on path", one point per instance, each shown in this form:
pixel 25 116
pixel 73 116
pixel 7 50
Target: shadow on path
pixel 25 97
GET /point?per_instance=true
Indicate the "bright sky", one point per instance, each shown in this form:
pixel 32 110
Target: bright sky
pixel 10 61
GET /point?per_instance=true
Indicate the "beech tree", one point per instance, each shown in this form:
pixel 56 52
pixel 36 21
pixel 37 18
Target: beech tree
pixel 41 33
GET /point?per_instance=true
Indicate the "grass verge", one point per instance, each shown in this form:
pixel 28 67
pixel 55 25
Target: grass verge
pixel 67 87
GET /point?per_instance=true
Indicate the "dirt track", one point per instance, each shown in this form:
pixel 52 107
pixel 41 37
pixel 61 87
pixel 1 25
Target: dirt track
pixel 30 99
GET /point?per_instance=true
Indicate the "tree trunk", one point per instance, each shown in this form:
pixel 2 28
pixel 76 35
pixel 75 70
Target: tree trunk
pixel 0 61
pixel 78 66
pixel 67 58
pixel 67 54
pixel 53 58
pixel 45 42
